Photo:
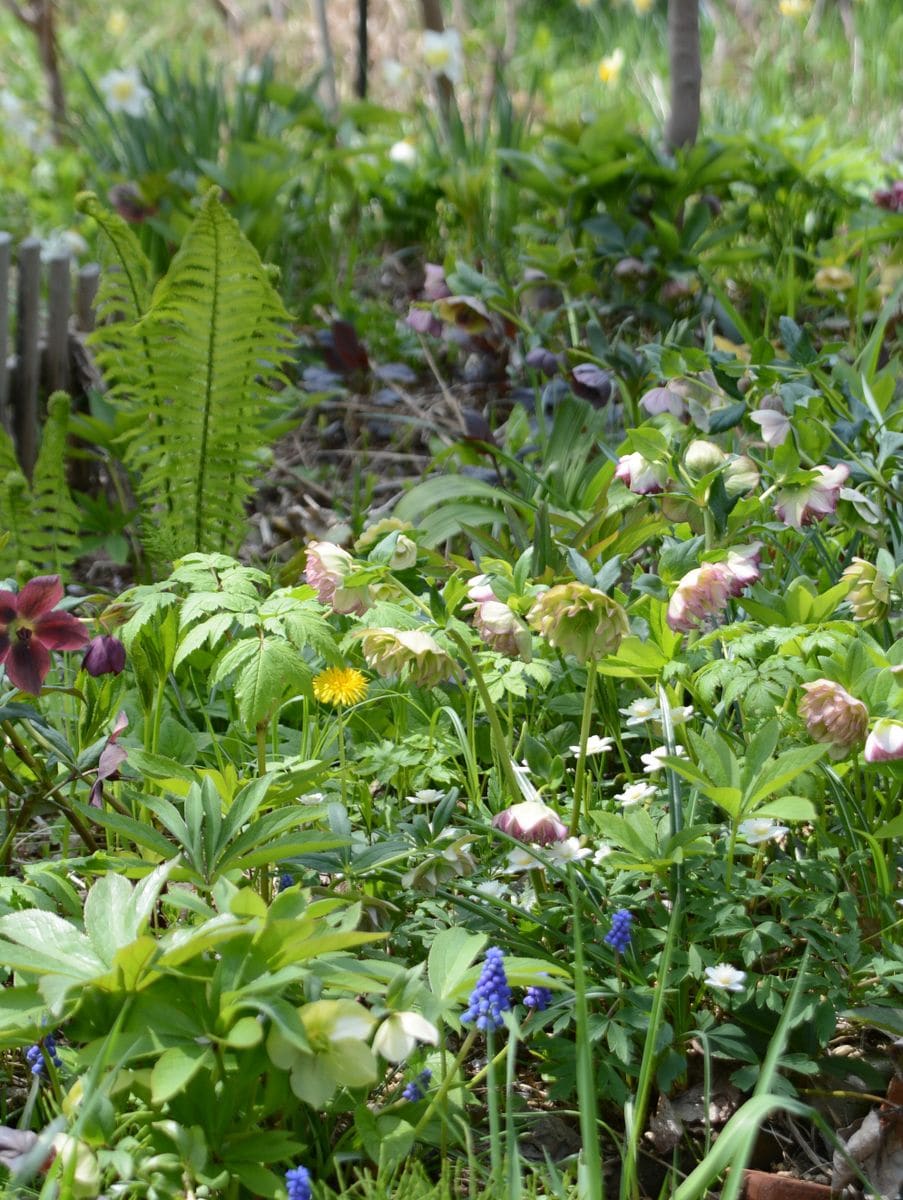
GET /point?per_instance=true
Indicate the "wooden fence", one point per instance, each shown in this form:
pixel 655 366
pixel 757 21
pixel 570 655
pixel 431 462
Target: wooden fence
pixel 38 358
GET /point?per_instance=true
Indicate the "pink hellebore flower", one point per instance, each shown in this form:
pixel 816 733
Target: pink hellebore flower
pixel 701 596
pixel 743 566
pixel 502 630
pixel 775 426
pixel 833 717
pixel 885 742
pixel 30 629
pixel 531 821
pixel 801 504
pixel 640 475
pixel 327 567
pixel 661 400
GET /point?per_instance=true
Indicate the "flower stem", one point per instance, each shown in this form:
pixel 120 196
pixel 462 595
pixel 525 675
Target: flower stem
pixel 492 1101
pixel 580 774
pixel 447 1082
pixel 495 725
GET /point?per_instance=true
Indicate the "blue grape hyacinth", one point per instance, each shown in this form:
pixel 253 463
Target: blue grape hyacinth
pixel 618 937
pixel 34 1055
pixel 492 995
pixel 538 997
pixel 297 1182
pixel 416 1089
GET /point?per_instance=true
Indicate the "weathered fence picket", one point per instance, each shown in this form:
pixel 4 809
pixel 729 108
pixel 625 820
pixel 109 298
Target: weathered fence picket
pixel 41 361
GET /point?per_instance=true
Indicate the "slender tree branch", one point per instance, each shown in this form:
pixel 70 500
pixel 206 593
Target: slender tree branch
pixel 686 72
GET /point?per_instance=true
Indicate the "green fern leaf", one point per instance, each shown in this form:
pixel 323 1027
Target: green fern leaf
pixel 200 364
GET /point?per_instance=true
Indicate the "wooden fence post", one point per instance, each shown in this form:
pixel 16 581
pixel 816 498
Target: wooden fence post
pixel 6 242
pixel 86 284
pixel 59 299
pixel 28 361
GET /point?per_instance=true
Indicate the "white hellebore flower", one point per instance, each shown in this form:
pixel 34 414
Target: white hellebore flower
pixel 653 762
pixel 726 977
pixel 757 830
pixel 635 793
pixel 594 745
pixel 398 1035
pixel 442 53
pixel 774 425
pixel 124 92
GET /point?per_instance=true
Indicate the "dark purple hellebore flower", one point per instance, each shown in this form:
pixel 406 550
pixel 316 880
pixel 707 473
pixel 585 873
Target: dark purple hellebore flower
pixel 590 382
pixel 111 759
pixel 29 630
pixel 105 655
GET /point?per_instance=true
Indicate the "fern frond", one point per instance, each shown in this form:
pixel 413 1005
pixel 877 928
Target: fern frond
pixel 213 335
pixel 127 280
pixel 42 520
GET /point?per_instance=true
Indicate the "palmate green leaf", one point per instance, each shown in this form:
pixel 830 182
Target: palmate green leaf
pixel 175 1068
pixel 450 956
pixel 274 671
pixel 781 771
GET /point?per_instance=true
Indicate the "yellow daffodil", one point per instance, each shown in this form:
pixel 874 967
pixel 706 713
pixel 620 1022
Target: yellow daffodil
pixel 610 67
pixel 794 8
pixel 641 7
pixel 340 686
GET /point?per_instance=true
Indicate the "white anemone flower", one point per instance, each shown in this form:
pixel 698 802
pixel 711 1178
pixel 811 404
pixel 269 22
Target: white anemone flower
pixel 594 745
pixel 635 793
pixel 601 853
pixel 757 830
pixel 567 851
pixel 653 762
pixel 403 153
pixel 426 796
pixel 398 1035
pixel 123 91
pixel 726 977
pixel 638 712
pixel 519 860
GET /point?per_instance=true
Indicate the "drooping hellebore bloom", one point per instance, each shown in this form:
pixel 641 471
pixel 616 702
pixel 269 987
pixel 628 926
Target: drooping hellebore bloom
pixel 885 742
pixel 802 503
pixel 775 425
pixel 409 651
pixel 327 568
pixel 104 655
pixel 834 717
pixel 701 596
pixel 661 400
pixel 30 629
pixel 580 620
pixel 640 475
pixel 398 1035
pixel 531 821
pixel 112 756
pixel 870 597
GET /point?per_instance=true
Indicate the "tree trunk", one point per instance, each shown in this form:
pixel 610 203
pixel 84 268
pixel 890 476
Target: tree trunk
pixel 431 13
pixel 686 72
pixel 362 50
pixel 332 102
pixel 39 18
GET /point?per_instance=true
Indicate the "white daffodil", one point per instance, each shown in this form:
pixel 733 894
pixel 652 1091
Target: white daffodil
pixel 398 1035
pixel 635 793
pixel 728 978
pixel 442 53
pixel 123 91
pixel 757 830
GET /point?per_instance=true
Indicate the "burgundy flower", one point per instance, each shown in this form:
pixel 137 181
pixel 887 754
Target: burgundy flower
pixel 111 759
pixel 30 629
pixel 105 655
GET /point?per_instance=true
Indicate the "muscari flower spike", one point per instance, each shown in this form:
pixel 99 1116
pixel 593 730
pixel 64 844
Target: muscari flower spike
pixel 618 937
pixel 538 998
pixel 297 1183
pixel 416 1089
pixel 492 995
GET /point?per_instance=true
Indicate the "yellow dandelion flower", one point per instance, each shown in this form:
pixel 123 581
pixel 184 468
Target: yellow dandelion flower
pixel 610 67
pixel 340 686
pixel 794 8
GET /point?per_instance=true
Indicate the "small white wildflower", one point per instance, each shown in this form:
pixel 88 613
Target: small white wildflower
pixel 680 713
pixel 602 852
pixel 594 745
pixel 426 796
pixel 653 762
pixel 312 798
pixel 403 153
pixel 726 977
pixel 638 712
pixel 761 829
pixel 493 889
pixel 520 859
pixel 398 1035
pixel 124 92
pixel 635 793
pixel 568 851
